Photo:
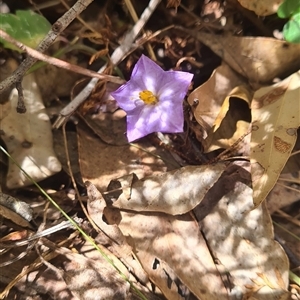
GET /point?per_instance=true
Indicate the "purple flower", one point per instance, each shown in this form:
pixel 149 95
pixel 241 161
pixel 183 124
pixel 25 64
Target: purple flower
pixel 152 99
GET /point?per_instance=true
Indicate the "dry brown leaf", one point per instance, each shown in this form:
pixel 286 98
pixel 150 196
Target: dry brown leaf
pixel 242 240
pixel 15 210
pixel 262 8
pixel 275 120
pixel 163 277
pixel 110 127
pixel 207 99
pixel 259 59
pixel 173 3
pixel 293 164
pixel 232 122
pixel 175 192
pixel 11 215
pixel 176 241
pixel 93 278
pixel 116 243
pixel 248 260
pixel 28 137
pixel 95 206
pixel 100 162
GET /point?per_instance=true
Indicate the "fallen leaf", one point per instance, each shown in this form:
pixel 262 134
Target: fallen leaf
pixel 101 162
pixel 116 241
pixel 242 240
pixel 19 207
pixel 28 137
pixel 173 3
pixel 110 127
pixel 206 100
pixel 293 164
pixel 232 122
pixel 262 8
pixel 15 236
pixel 89 278
pixel 175 192
pixel 95 206
pixel 163 277
pixel 275 120
pixel 16 218
pixel 176 241
pixel 258 59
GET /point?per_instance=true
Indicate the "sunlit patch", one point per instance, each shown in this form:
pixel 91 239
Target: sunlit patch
pixel 149 82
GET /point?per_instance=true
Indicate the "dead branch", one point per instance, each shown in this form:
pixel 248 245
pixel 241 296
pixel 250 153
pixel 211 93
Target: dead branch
pixel 57 62
pixel 57 28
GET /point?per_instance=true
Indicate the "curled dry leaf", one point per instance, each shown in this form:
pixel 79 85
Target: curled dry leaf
pixel 232 123
pixel 19 207
pixel 175 192
pixel 259 59
pixel 118 244
pixel 13 216
pixel 95 206
pixel 207 99
pixel 275 120
pixel 28 137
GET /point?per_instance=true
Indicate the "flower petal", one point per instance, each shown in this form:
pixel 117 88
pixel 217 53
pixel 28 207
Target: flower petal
pixel 148 119
pixel 174 85
pixel 170 88
pixel 127 94
pixel 148 74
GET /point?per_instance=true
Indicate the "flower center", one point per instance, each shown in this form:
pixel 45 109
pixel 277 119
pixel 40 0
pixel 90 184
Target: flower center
pixel 148 97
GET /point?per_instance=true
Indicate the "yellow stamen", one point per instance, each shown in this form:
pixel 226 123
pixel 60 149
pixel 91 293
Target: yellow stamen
pixel 148 97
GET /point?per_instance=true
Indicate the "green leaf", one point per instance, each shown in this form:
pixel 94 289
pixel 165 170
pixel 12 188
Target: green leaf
pixel 288 8
pixel 25 26
pixel 291 30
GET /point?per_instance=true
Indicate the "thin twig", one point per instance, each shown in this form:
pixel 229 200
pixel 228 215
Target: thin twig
pixel 288 217
pixel 21 108
pixel 57 62
pixel 135 18
pixel 58 27
pixel 88 26
pixel 117 56
pixel 36 264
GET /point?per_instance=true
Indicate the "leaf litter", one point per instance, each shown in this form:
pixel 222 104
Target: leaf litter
pixel 175 216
